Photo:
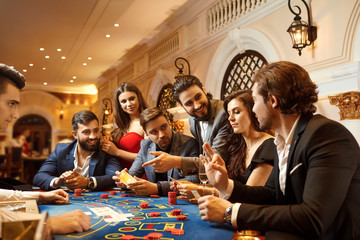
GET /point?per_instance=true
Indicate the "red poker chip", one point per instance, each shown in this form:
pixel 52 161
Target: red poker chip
pixel 123 195
pixel 130 195
pixel 112 192
pixel 181 217
pixel 104 195
pixel 154 214
pixel 175 212
pixel 176 231
pixel 77 192
pixel 144 205
pixel 168 229
pixel 154 236
pixel 127 237
pixel 154 196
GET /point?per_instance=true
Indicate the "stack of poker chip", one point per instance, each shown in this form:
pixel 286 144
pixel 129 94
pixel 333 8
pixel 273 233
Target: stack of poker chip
pixel 77 192
pixel 172 198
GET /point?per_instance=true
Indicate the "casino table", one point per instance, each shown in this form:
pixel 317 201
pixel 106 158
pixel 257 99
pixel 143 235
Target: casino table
pixel 109 222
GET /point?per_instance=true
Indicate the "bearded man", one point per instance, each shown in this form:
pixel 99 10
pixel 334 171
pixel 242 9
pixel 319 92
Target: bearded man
pixel 81 163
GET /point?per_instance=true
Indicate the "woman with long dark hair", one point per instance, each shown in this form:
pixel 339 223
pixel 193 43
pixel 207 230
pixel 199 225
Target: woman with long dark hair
pixel 251 151
pixel 125 140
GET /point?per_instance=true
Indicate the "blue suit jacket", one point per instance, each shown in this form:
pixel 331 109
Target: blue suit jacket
pixel 102 166
pixel 181 145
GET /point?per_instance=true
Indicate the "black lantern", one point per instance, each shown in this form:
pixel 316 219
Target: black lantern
pixel 181 66
pixel 302 33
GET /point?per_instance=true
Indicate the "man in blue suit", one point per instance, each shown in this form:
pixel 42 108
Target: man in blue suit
pixel 163 143
pixel 81 163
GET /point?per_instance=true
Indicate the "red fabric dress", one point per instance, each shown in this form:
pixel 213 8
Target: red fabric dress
pixel 130 143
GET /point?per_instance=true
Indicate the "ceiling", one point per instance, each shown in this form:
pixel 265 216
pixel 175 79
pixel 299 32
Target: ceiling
pixel 79 29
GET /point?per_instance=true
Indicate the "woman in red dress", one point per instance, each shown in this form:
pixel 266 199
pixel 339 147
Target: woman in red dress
pixel 124 141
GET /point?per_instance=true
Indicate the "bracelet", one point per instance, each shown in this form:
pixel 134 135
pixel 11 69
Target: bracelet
pixel 213 191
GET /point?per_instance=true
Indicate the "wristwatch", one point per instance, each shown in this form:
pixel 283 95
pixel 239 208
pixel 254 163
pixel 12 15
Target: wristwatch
pixel 91 183
pixel 227 215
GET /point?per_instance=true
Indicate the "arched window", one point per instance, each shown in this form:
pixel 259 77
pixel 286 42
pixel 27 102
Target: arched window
pixel 166 99
pixel 240 70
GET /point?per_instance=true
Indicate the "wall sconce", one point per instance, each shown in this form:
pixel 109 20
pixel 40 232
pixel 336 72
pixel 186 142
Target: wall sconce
pixel 61 113
pixel 107 109
pixel 302 34
pixel 181 66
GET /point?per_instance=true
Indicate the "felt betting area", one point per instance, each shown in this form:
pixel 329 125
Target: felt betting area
pixel 117 215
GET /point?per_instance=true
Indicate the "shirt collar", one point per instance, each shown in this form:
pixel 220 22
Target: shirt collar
pixel 279 140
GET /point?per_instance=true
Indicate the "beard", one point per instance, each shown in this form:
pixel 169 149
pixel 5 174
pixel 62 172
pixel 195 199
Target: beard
pixel 204 117
pixel 87 147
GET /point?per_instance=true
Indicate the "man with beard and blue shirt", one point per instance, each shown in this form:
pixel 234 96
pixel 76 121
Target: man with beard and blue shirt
pixel 81 163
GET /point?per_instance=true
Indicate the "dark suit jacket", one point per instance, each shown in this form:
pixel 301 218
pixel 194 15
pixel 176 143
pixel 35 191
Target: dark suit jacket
pixel 102 166
pixel 322 194
pixel 181 145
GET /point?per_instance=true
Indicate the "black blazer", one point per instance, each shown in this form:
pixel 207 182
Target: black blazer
pixel 322 194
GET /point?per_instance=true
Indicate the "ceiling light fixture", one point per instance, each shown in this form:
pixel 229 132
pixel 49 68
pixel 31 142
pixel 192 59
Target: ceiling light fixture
pixel 45 83
pixel 44 68
pixel 90 58
pixel 74 77
pixel 116 25
pixel 24 70
pixel 47 56
pixel 107 35
pixel 84 64
pixel 63 57
pixel 71 80
pixel 59 49
pixel 302 33
pixel 42 49
pixel 31 65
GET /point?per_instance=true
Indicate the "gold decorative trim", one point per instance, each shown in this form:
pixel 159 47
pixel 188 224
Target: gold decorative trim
pixel 348 103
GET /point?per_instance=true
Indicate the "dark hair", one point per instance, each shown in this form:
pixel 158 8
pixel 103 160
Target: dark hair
pixel 290 84
pixel 150 114
pixel 237 148
pixel 122 118
pixel 182 83
pixel 9 75
pixel 83 117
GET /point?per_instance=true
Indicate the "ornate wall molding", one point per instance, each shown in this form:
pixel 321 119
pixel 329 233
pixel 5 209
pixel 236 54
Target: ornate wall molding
pixel 348 103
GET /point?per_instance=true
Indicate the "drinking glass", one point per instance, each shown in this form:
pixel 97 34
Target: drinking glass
pixel 202 175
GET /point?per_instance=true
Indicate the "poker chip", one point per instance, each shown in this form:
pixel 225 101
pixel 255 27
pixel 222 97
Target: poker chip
pixel 176 231
pixel 154 196
pixel 175 212
pixel 154 236
pixel 127 237
pixel 77 192
pixel 130 195
pixel 144 205
pixel 112 192
pixel 168 229
pixel 154 214
pixel 172 198
pixel 104 195
pixel 181 217
pixel 123 195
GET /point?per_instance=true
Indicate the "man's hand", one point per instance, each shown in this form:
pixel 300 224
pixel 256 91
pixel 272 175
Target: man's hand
pixel 185 188
pixel 212 209
pixel 215 168
pixel 74 221
pixel 58 196
pixel 118 181
pixel 164 162
pixel 143 187
pixel 76 180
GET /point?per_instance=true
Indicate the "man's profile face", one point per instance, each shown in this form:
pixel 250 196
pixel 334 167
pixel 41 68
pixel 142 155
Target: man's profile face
pixel 159 132
pixel 9 101
pixel 195 102
pixel 88 136
pixel 262 109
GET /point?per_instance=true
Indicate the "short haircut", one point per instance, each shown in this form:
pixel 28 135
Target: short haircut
pixel 290 84
pixel 150 114
pixel 182 83
pixel 83 117
pixel 9 75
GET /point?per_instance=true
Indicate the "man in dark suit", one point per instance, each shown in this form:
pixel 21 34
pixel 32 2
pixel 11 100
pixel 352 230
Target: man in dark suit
pixel 163 143
pixel 313 190
pixel 81 163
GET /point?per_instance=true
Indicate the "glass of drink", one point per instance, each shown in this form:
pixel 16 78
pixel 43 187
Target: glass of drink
pixel 202 175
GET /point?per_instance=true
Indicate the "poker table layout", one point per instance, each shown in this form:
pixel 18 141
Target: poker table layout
pixel 121 215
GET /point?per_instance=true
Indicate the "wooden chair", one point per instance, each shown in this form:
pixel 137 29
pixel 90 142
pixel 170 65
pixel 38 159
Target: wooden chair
pixel 13 163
